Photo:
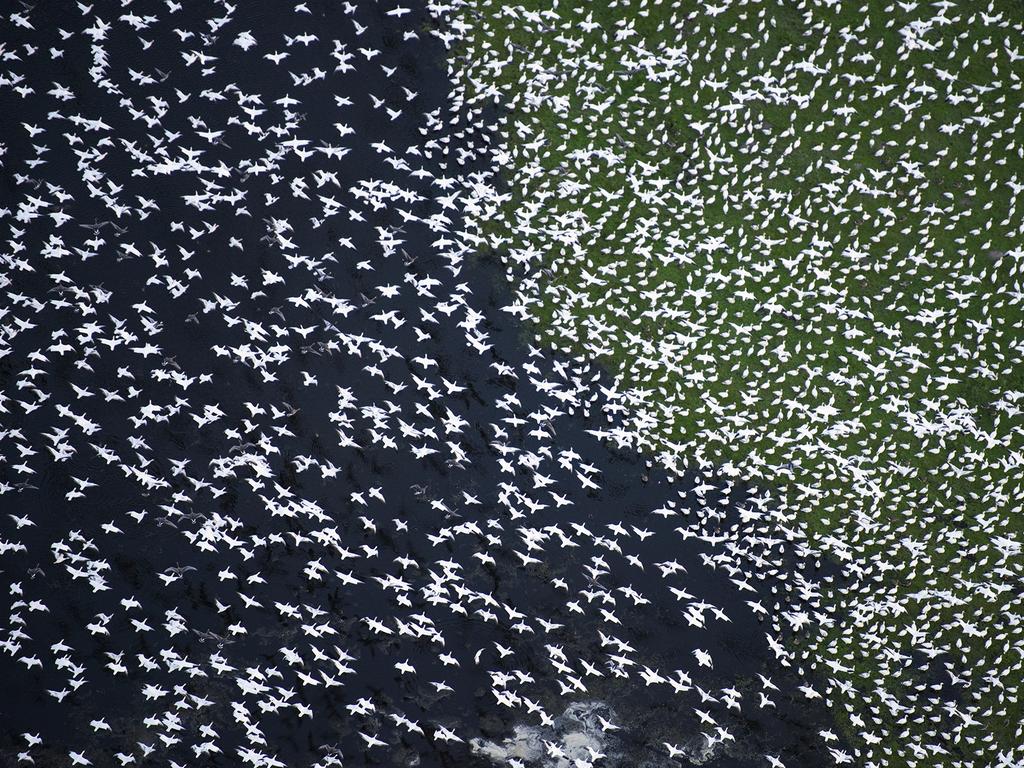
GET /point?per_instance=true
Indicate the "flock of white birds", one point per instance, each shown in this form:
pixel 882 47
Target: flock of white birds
pixel 793 231
pixel 275 485
pixel 278 487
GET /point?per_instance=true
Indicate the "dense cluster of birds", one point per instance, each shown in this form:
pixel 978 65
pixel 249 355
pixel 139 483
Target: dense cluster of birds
pixel 793 230
pixel 281 484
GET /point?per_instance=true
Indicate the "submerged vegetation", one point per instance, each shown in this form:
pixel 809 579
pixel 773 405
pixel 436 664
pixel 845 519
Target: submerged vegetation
pixel 792 232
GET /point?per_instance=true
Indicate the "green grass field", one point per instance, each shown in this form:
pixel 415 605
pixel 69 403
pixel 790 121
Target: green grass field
pixel 792 233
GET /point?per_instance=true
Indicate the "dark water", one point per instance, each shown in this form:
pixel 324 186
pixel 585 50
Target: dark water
pixel 256 510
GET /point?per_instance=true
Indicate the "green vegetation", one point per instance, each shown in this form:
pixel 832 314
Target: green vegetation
pixel 792 231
